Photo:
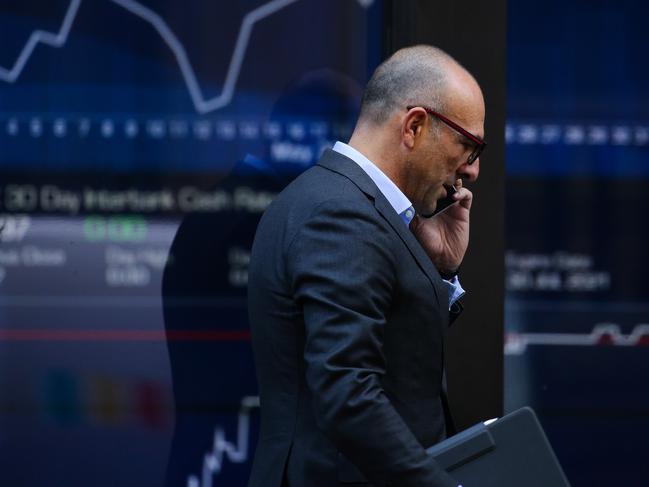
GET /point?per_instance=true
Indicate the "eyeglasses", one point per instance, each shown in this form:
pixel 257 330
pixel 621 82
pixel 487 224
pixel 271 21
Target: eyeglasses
pixel 479 143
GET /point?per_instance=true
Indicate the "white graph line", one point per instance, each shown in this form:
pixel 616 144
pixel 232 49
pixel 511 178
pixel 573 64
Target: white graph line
pixel 235 453
pixel 41 36
pixel 201 104
pixel 602 334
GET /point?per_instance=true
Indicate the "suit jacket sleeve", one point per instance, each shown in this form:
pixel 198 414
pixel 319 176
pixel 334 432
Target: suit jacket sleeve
pixel 342 272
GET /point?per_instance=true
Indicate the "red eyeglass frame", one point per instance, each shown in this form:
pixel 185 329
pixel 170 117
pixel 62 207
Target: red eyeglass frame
pixel 479 143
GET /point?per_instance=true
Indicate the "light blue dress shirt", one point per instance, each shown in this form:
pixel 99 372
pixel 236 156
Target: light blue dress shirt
pixel 397 200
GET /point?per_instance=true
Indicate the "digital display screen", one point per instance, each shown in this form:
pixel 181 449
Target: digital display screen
pixel 140 141
pixel 577 302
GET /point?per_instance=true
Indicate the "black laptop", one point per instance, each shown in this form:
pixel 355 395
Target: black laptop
pixel 512 451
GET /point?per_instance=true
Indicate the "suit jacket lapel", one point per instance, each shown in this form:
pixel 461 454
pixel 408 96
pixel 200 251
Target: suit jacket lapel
pixel 341 164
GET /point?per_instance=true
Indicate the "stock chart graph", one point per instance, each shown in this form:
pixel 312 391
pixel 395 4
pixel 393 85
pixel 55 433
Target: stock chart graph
pixel 140 141
pixel 146 82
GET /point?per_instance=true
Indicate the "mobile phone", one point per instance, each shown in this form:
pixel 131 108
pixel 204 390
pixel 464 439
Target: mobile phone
pixel 444 203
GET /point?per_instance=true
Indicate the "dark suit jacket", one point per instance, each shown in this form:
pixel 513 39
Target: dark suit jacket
pixel 348 319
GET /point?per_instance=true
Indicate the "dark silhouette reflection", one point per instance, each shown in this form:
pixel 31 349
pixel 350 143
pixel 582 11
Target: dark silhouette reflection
pixel 204 291
pixel 204 282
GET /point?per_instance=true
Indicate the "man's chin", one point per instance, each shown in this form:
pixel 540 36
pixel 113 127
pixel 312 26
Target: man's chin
pixel 428 207
pixel 429 211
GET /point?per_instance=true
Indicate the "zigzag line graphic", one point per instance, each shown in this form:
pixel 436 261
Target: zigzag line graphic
pixel 41 36
pixel 603 334
pixel 201 104
pixel 236 453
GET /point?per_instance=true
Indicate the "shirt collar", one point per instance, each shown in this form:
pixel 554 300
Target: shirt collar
pixel 392 193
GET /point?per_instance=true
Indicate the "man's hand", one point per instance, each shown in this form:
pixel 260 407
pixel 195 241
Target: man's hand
pixel 445 237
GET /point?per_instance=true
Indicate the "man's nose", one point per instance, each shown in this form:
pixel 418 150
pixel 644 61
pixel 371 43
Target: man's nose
pixel 469 172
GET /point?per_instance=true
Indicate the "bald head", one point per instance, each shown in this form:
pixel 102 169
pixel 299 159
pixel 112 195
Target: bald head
pixel 411 76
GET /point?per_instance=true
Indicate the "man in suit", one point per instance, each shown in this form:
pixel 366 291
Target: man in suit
pixel 351 290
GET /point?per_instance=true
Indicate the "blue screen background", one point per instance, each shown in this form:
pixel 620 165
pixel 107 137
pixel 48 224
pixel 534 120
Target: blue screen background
pixel 577 165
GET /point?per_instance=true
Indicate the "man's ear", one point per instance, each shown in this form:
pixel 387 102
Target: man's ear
pixel 413 126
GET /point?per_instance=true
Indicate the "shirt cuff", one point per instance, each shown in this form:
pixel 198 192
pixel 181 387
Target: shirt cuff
pixel 455 290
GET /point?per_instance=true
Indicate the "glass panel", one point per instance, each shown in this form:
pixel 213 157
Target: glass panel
pixel 577 299
pixel 139 143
